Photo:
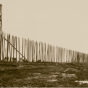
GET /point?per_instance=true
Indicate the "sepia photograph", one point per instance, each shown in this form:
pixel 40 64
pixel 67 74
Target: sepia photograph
pixel 44 43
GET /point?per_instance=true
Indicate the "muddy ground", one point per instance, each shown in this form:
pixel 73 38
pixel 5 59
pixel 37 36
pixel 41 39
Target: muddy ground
pixel 43 74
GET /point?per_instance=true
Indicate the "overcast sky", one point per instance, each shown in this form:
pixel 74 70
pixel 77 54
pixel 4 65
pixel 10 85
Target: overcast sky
pixel 58 22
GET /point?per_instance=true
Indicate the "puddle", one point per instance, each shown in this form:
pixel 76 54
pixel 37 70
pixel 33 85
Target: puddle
pixel 82 82
pixel 39 77
pixel 52 80
pixel 68 75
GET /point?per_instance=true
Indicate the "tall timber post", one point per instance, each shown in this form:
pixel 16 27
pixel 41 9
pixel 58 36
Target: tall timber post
pixel 0 27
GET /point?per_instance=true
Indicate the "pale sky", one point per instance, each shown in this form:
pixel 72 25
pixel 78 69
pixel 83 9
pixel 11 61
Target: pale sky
pixel 57 22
